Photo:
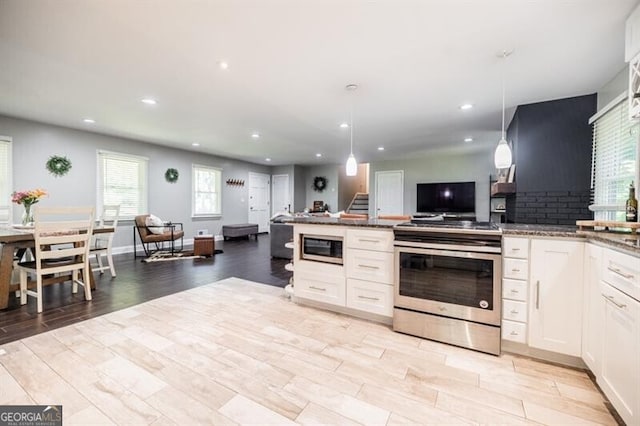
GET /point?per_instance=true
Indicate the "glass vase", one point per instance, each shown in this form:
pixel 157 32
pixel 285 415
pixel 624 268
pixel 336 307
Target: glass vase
pixel 27 216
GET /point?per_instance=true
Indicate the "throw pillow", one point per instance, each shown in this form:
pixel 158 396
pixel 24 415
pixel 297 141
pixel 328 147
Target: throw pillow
pixel 155 224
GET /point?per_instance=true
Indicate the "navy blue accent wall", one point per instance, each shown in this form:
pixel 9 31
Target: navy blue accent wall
pixel 552 152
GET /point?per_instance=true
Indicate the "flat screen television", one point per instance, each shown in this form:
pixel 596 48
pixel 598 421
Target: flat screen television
pixel 454 197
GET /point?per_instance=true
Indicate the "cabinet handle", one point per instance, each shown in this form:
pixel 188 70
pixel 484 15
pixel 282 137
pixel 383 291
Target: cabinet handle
pixel 514 333
pixel 514 291
pixel 368 298
pixel 515 249
pixel 538 294
pixel 368 266
pixel 613 300
pixel 515 270
pixel 367 240
pixel 619 272
pixel 513 311
pixel 317 288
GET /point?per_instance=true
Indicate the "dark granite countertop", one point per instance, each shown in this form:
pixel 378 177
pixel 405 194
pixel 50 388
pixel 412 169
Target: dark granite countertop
pixel 367 223
pixel 622 241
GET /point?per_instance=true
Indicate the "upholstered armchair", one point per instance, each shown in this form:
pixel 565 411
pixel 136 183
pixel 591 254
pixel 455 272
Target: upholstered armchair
pixel 156 234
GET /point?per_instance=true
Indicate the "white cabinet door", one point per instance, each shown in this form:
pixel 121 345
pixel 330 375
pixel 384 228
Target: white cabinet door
pixel 555 319
pixel 621 353
pixel 593 309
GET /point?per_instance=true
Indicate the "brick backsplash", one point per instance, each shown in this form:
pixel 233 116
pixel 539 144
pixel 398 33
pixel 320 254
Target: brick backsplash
pixel 549 208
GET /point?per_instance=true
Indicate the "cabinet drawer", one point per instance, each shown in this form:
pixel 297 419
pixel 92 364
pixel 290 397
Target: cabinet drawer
pixel 515 268
pixel 370 297
pixel 514 290
pixel 622 272
pixel 367 239
pixel 370 266
pixel 514 331
pixel 515 247
pixel 515 311
pixel 327 288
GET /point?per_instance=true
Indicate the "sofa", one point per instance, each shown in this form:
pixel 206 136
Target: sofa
pixel 281 233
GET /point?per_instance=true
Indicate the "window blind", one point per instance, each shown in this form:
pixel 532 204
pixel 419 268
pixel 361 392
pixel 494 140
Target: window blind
pixel 206 191
pixel 614 161
pixel 5 181
pixel 122 180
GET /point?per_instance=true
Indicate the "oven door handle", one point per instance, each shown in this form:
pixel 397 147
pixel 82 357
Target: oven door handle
pixel 464 248
pixel 437 252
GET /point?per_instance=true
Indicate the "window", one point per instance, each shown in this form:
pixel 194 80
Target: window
pixel 206 191
pixel 614 159
pixel 5 179
pixel 122 179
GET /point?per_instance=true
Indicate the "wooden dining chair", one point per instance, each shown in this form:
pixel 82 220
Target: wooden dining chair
pixel 101 244
pixel 353 216
pixel 394 217
pixel 61 237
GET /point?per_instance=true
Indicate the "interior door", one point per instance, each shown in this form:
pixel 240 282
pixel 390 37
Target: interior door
pixel 281 193
pixel 259 200
pixel 389 192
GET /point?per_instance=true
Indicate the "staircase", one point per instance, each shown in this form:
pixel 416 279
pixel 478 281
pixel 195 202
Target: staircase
pixel 359 204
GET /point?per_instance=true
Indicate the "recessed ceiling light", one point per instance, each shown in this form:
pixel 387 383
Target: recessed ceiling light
pixel 318 155
pixel 195 144
pixel 255 135
pixel 381 148
pixel 89 120
pixel 468 139
pixel 267 159
pixel 148 101
pixel 223 65
pixel 466 106
pixel 344 126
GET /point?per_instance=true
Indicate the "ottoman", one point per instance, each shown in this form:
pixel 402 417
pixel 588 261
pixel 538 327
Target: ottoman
pixel 240 230
pixel 204 245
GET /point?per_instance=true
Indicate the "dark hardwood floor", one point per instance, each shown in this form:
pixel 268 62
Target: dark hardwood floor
pixel 137 282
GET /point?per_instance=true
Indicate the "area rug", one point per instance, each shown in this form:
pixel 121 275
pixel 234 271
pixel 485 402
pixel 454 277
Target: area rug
pixel 164 256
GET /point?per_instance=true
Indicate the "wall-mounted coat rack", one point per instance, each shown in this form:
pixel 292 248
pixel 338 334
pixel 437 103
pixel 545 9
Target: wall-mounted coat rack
pixel 235 182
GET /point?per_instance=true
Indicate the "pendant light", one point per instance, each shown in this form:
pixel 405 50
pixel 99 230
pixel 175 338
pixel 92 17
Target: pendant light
pixel 352 164
pixel 502 156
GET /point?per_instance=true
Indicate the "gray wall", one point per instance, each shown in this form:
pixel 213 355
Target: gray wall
pixel 34 143
pixel 613 88
pixel 439 168
pixel 328 196
pixel 299 188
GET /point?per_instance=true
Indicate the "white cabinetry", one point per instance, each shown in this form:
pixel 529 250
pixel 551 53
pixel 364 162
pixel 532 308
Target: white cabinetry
pixel 632 36
pixel 619 376
pixel 621 353
pixel 514 289
pixel 555 309
pixel 369 267
pixel 593 309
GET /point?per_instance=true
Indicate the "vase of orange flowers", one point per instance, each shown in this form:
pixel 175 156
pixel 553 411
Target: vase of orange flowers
pixel 27 199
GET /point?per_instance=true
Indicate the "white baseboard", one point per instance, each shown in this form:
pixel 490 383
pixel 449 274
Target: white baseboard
pixel 129 249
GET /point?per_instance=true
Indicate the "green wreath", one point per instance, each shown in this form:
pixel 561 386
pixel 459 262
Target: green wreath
pixel 58 166
pixel 319 183
pixel 171 175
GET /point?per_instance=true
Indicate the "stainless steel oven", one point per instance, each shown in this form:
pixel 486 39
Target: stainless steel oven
pixel 448 285
pixel 321 248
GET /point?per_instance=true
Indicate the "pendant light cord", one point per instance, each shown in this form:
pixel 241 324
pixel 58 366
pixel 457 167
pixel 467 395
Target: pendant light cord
pixel 351 129
pixel 504 61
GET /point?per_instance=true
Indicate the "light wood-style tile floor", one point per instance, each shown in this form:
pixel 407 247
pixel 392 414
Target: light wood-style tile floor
pixel 237 352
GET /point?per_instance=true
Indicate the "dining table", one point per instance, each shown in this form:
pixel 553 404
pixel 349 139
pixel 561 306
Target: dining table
pixel 14 240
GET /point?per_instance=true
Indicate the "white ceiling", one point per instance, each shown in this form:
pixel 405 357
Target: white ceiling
pixel 289 60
